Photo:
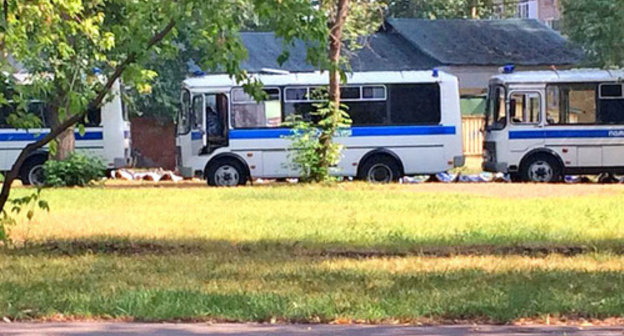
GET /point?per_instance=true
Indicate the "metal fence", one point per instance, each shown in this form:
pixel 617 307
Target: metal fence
pixel 472 127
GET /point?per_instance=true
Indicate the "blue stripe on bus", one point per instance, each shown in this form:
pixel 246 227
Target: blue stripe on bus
pixel 354 132
pixel 36 136
pixel 554 134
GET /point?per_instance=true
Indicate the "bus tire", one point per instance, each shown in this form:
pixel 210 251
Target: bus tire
pixel 226 172
pixel 380 169
pixel 541 168
pixel 31 172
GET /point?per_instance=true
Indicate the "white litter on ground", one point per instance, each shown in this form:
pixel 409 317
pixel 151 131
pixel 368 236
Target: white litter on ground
pixel 153 176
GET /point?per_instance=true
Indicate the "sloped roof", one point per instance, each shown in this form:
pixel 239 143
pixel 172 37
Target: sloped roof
pixel 487 42
pixel 386 51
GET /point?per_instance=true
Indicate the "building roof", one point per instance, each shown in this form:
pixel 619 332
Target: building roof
pixel 418 44
pixel 487 42
pixel 382 52
pixel 563 76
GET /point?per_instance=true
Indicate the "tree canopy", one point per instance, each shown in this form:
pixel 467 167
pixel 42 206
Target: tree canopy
pixel 595 25
pixel 450 9
pixel 61 43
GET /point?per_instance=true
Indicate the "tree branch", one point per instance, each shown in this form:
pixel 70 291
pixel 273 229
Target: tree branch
pixel 74 119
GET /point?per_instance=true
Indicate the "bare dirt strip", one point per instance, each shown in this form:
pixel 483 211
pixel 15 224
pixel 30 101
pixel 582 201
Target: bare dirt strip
pixel 172 329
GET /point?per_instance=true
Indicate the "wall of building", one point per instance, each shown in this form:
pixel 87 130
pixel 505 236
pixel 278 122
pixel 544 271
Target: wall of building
pixel 547 11
pixel 153 143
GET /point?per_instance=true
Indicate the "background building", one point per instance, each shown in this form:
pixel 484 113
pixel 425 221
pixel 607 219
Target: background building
pixel 546 11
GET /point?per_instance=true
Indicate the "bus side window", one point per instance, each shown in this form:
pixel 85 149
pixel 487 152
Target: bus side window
pixel 248 113
pixel 94 117
pixel 575 103
pixel 524 107
pixel 39 109
pixel 611 104
pixel 553 111
pixel 5 110
pixel 415 104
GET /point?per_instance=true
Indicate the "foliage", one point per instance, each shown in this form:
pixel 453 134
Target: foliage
pixel 61 43
pixel 29 203
pixel 349 23
pixel 76 170
pixel 595 25
pixel 75 37
pixel 305 145
pixel 451 9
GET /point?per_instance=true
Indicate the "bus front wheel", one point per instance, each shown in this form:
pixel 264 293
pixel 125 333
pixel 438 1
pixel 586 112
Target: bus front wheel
pixel 380 169
pixel 31 172
pixel 541 168
pixel 226 173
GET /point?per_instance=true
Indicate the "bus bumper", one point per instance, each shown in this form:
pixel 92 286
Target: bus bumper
pixel 459 161
pixel 186 172
pixel 495 167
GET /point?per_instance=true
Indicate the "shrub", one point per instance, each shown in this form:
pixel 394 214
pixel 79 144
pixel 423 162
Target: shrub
pixel 76 170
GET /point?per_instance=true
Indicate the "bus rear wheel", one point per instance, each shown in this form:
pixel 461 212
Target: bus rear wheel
pixel 541 168
pixel 226 173
pixel 380 169
pixel 31 172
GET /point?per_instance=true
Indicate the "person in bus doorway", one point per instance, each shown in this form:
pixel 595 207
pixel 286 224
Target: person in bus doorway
pixel 214 125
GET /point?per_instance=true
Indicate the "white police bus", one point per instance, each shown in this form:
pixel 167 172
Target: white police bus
pixel 404 123
pixel 107 135
pixel 542 126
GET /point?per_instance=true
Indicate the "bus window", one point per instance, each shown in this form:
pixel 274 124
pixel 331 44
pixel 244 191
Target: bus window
pixel 575 104
pixel 94 117
pixel 184 123
pixel 374 92
pixel 349 92
pixel 415 104
pixel 5 111
pixel 611 104
pixel 524 108
pixel 495 117
pixel 367 113
pixel 247 113
pixel 197 112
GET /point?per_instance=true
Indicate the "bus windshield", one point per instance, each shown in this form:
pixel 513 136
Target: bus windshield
pixel 184 120
pixel 495 112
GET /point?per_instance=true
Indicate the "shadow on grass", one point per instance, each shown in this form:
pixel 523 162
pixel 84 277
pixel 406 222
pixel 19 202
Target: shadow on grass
pixel 340 249
pixel 307 293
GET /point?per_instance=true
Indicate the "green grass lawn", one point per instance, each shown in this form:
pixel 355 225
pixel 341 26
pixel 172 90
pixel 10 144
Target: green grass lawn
pixel 311 253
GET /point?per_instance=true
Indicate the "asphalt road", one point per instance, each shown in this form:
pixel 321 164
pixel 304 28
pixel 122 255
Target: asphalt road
pixel 189 329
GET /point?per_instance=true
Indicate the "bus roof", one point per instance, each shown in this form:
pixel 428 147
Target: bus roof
pixel 563 76
pixel 318 78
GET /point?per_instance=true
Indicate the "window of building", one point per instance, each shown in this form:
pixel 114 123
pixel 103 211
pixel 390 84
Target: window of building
pixel 415 104
pixel 248 113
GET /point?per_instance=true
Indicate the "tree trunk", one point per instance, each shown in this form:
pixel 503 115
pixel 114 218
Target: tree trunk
pixel 335 46
pixel 65 144
pixel 65 141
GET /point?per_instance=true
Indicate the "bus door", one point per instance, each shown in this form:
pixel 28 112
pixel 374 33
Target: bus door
pixel 209 127
pixel 197 124
pixel 215 122
pixel 525 111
